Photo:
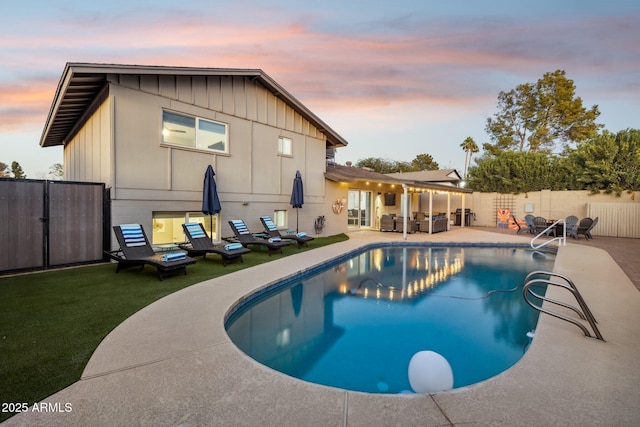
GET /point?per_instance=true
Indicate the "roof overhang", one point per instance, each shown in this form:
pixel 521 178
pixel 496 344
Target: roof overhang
pixel 82 86
pixel 359 176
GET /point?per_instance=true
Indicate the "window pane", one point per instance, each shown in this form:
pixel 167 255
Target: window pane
pixel 178 129
pixel 210 223
pixel 280 218
pixel 212 136
pixel 284 146
pixel 167 228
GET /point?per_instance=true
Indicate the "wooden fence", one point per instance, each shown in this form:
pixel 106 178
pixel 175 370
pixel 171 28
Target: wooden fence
pixel 49 224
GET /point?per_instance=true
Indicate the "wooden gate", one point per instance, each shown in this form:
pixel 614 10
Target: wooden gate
pixel 48 224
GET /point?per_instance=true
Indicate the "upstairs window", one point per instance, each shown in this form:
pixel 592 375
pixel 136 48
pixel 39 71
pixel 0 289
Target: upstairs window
pixel 285 146
pixel 194 132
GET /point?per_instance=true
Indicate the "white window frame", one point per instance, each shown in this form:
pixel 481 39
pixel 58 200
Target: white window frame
pixel 174 220
pixel 280 218
pixel 192 141
pixel 285 146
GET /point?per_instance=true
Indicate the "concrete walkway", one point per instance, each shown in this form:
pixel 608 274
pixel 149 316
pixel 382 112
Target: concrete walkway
pixel 172 364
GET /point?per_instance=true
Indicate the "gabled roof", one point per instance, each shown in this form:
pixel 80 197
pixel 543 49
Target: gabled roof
pixel 350 174
pixel 441 175
pixel 82 86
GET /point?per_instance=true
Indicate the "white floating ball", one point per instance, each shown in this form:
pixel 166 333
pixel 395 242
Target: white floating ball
pixel 429 372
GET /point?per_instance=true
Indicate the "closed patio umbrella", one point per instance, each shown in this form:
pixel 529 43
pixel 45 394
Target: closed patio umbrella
pixel 210 200
pixel 297 195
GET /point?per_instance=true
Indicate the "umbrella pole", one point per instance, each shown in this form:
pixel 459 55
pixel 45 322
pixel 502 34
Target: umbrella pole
pixel 211 227
pixel 297 230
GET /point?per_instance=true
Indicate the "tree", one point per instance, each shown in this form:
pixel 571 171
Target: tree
pixel 424 162
pixel 17 171
pixel 607 162
pixel 515 172
pixel 377 164
pixel 419 163
pixel 56 171
pixel 538 116
pixel 4 171
pixel 469 146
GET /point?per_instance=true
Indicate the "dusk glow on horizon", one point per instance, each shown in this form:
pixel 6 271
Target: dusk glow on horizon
pixel 395 80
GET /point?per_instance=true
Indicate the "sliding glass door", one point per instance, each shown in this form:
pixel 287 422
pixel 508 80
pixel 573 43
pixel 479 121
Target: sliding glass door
pixel 359 206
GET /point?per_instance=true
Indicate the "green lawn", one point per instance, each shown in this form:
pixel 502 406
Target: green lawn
pixel 51 322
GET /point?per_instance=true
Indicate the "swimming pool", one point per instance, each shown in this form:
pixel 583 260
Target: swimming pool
pixel 381 319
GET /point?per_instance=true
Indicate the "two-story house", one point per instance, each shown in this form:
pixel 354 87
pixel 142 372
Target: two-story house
pixel 150 132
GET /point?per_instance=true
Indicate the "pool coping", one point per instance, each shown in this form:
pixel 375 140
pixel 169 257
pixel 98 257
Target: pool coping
pixel 173 364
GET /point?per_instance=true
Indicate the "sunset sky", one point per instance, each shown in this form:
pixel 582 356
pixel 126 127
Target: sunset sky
pixel 395 79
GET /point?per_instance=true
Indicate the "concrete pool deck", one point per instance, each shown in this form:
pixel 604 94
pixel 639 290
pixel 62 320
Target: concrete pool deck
pixel 173 364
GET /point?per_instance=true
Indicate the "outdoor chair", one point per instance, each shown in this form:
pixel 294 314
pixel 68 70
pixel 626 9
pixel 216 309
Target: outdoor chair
pixel 571 224
pixel 582 228
pixel 531 227
pixel 438 224
pixel 387 223
pixel 271 229
pixel 135 250
pixel 587 233
pixel 540 225
pixel 412 226
pixel 246 238
pixel 517 224
pixel 200 244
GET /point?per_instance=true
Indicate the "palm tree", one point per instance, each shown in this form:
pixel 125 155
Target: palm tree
pixel 470 147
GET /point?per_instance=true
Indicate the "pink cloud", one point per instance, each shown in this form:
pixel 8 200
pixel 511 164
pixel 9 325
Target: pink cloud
pixel 454 63
pixel 25 105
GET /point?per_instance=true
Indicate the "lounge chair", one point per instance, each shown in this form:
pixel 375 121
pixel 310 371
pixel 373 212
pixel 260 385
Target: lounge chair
pixel 246 238
pixel 200 244
pixel 135 250
pixel 272 230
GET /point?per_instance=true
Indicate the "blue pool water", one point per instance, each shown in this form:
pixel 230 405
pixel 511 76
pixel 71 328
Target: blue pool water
pixel 357 323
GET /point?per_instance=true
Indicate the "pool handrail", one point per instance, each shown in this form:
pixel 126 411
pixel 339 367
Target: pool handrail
pixel 562 240
pixel 585 313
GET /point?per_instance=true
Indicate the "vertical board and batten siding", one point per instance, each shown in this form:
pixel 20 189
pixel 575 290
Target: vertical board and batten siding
pixel 87 157
pixel 615 219
pixel 238 101
pixel 233 95
pixel 253 179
